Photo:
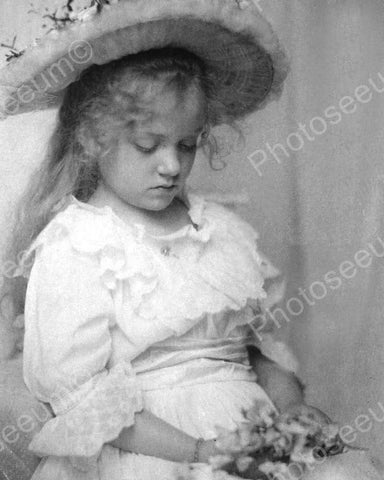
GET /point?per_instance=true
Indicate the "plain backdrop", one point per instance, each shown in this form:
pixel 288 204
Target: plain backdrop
pixel 315 207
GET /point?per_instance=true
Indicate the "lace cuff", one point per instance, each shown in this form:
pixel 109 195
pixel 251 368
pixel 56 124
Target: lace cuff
pixel 80 431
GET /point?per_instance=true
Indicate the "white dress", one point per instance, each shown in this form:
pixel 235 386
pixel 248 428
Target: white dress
pixel 117 320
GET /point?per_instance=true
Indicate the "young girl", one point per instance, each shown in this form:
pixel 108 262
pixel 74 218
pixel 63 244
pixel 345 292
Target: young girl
pixel 142 295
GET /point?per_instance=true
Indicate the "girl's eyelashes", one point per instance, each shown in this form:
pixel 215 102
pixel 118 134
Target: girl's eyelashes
pixel 145 149
pixel 183 147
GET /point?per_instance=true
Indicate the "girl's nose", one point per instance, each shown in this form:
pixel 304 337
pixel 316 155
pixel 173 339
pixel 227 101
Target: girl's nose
pixel 169 163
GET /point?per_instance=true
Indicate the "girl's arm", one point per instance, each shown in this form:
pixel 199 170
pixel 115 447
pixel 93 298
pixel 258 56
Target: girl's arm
pixel 152 436
pixel 282 386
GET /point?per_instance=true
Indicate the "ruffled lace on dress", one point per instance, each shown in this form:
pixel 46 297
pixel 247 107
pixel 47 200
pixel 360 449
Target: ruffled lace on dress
pixel 163 296
pixel 221 269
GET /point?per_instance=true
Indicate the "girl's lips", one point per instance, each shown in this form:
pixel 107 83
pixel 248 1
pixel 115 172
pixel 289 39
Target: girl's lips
pixel 166 188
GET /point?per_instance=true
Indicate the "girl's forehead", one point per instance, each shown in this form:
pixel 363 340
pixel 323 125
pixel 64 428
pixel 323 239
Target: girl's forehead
pixel 190 101
pixel 174 113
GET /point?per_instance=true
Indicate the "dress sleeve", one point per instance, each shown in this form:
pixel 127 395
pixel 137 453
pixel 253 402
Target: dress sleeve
pixel 69 314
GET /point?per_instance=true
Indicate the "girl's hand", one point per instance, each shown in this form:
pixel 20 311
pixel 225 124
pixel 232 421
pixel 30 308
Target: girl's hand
pixel 207 450
pixel 312 413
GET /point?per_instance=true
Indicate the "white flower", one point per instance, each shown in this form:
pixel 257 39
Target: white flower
pixel 228 441
pixel 261 414
pixel 331 430
pixel 293 427
pixel 85 15
pixel 245 434
pixel 243 4
pixel 53 33
pixel 219 461
pixel 203 472
pixel 275 468
pixel 305 455
pixel 243 463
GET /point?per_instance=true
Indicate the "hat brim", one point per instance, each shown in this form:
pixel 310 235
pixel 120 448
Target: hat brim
pixel 238 46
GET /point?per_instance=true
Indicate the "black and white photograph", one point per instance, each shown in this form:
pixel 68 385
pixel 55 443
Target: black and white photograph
pixel 192 240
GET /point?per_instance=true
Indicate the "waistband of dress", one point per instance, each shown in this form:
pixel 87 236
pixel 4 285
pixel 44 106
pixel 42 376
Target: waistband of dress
pixel 192 372
pixel 165 355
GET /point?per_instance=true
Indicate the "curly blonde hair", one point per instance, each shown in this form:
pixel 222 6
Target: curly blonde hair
pixel 104 100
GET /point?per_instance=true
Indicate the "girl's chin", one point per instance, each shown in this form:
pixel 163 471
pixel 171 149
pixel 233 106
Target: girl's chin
pixel 154 199
pixel 160 202
pixel 162 197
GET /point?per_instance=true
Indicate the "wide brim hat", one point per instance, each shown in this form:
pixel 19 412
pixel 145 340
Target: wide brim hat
pixel 237 44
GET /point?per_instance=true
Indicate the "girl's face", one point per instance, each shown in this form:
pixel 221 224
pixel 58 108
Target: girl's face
pixel 150 164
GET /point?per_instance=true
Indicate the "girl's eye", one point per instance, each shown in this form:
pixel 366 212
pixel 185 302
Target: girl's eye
pixel 188 148
pixel 149 150
pixel 145 149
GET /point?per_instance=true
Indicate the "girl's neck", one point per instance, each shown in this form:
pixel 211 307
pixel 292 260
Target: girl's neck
pixel 161 222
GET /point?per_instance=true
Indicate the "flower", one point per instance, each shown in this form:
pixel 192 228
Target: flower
pixel 229 441
pixel 219 461
pixel 262 414
pixel 243 463
pixel 243 4
pixel 274 468
pixel 281 439
pixel 86 14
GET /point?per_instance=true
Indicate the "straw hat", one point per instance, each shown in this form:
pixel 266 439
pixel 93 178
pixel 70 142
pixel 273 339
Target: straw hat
pixel 237 44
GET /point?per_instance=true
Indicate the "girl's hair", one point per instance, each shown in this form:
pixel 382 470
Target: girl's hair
pixel 104 100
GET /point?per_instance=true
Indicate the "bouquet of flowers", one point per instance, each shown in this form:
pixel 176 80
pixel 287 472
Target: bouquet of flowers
pixel 270 446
